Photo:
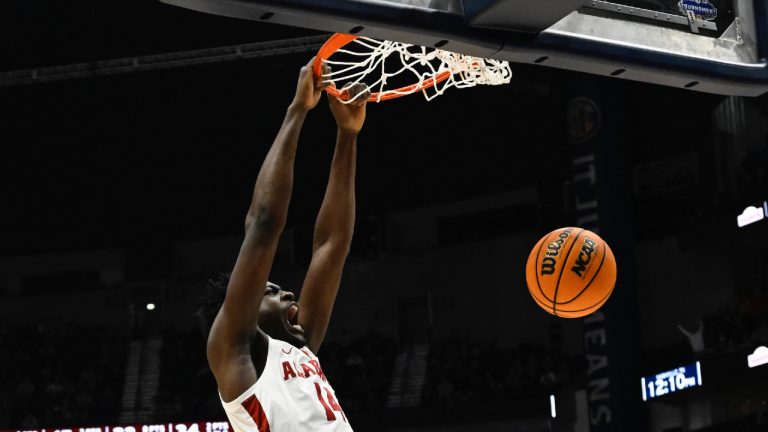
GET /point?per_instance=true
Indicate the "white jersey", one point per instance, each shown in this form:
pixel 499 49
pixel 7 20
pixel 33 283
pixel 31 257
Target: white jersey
pixel 291 395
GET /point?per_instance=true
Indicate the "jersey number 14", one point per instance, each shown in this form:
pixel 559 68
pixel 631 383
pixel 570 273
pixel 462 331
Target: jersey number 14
pixel 329 403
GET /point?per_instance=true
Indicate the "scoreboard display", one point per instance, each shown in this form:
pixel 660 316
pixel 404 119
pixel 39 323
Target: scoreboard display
pixel 206 426
pixel 672 381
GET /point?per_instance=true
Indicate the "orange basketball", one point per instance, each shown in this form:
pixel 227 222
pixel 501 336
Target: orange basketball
pixel 571 272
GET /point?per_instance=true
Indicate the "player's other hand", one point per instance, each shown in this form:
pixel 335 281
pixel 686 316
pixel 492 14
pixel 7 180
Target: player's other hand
pixel 309 88
pixel 351 116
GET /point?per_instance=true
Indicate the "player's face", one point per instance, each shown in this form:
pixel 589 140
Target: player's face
pixel 279 316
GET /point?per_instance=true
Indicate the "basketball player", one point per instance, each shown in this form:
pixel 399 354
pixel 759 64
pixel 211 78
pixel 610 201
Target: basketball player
pixel 262 343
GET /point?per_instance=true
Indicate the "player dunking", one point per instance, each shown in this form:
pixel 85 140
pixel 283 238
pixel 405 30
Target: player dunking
pixel 262 343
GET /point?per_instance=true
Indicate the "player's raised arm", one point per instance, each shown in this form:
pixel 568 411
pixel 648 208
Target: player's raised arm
pixel 229 350
pixel 335 222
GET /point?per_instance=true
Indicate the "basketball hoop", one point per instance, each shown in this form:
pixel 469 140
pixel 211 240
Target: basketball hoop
pixel 372 63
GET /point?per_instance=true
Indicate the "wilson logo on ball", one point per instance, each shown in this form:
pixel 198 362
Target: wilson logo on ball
pixel 584 257
pixel 553 250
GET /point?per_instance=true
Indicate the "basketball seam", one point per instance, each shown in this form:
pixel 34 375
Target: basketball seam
pixel 594 276
pixel 536 269
pixel 546 304
pixel 538 300
pixel 592 309
pixel 541 304
pixel 601 301
pixel 562 269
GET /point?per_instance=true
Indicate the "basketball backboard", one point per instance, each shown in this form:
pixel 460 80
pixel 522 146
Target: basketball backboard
pixel 714 46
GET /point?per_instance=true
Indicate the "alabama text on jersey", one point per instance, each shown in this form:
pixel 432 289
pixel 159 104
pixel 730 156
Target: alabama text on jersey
pixel 291 395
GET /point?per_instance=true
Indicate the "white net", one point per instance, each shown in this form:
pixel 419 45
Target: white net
pixel 382 64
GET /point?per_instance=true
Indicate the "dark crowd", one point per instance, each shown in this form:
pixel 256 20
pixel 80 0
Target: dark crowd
pixel 469 372
pixel 736 326
pixel 60 375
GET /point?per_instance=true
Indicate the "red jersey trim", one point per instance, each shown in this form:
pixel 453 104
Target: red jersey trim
pixel 253 406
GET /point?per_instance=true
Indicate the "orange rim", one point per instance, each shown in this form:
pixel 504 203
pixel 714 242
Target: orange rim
pixel 339 40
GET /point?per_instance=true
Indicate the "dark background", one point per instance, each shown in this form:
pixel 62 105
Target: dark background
pixel 128 188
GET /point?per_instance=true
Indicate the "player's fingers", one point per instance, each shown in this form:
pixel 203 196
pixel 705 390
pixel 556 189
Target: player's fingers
pixel 324 79
pixel 346 92
pixel 365 96
pixel 335 100
pixel 360 93
pixel 318 82
pixel 350 91
pixel 327 84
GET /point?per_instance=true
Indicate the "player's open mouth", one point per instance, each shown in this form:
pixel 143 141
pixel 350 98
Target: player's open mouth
pixel 292 317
